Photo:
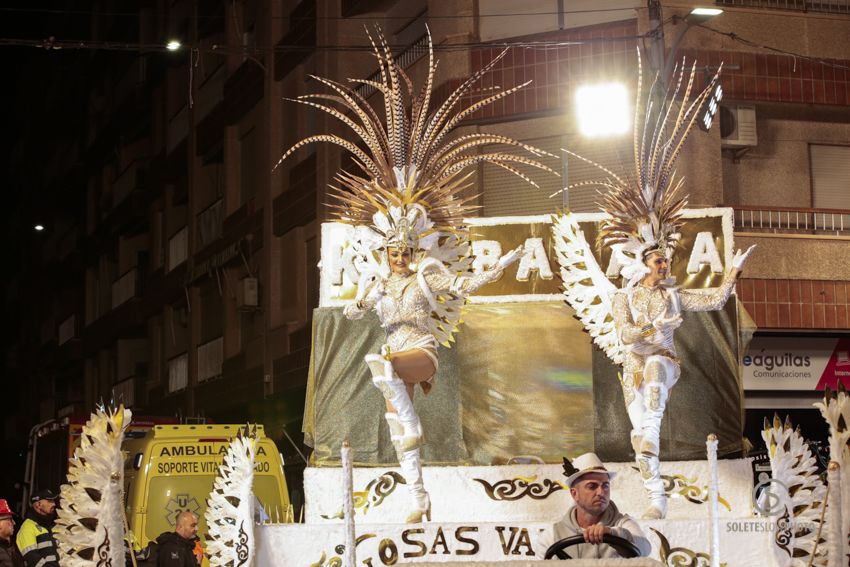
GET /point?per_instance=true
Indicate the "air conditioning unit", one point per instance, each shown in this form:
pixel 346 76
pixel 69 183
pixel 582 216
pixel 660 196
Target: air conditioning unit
pixel 247 294
pixel 738 126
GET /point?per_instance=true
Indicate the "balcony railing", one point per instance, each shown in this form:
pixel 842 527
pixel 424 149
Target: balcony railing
pixel 126 182
pixel 124 288
pixel 178 373
pixel 178 248
pixel 828 6
pixel 210 357
pixel 783 220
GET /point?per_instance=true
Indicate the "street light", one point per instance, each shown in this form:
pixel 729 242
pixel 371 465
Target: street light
pixel 603 109
pixel 172 45
pixel 695 17
pixel 39 227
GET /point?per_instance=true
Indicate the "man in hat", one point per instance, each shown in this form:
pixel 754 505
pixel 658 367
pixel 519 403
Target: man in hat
pixel 35 538
pixel 9 556
pixel 594 515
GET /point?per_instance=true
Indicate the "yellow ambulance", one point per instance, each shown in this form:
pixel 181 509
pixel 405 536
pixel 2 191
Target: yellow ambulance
pixel 171 468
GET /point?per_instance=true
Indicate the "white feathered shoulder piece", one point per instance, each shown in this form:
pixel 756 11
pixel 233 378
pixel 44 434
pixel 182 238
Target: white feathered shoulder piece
pixel 835 409
pixel 230 507
pixel 799 494
pixel 586 287
pixel 89 529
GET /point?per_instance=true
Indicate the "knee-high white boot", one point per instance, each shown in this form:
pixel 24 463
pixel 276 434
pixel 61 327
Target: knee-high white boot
pixel 411 470
pixel 659 371
pixel 394 390
pixel 635 409
pixel 655 397
pixel 650 472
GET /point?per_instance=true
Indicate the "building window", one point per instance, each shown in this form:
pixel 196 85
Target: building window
pixel 211 312
pixel 830 167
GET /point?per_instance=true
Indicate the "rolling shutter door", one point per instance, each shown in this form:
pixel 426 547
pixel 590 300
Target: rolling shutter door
pixel 830 176
pixel 504 194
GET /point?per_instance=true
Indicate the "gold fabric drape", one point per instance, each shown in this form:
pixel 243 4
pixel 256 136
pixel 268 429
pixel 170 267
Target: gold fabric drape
pixel 522 379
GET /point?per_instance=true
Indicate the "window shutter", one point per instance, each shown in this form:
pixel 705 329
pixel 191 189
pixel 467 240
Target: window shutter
pixel 830 176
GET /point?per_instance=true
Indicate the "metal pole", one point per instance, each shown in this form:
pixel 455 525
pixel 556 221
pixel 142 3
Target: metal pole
pixel 714 520
pixel 350 556
pixel 834 519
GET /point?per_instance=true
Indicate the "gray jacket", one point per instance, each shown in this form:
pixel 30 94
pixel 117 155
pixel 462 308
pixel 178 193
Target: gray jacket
pixel 621 525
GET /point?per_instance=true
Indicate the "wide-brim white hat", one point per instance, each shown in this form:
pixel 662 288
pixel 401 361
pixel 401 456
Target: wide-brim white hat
pixel 582 465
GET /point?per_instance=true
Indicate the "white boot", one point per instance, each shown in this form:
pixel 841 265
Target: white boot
pixel 655 399
pixel 395 391
pixel 411 470
pixel 635 410
pixel 650 472
pixel 396 432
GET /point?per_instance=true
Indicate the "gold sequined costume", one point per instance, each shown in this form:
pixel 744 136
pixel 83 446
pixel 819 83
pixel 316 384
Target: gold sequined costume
pixel 410 191
pixel 635 325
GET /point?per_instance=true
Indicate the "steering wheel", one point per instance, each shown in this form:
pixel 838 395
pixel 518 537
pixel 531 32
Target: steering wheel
pixel 624 547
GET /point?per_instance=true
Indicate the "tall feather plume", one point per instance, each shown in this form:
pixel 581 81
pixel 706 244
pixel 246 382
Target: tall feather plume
pixel 89 529
pixel 651 202
pixel 408 156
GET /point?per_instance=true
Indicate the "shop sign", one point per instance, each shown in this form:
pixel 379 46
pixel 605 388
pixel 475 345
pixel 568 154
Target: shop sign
pixel 796 363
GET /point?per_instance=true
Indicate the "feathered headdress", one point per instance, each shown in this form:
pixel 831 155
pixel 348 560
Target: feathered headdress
pixel 646 210
pixel 411 172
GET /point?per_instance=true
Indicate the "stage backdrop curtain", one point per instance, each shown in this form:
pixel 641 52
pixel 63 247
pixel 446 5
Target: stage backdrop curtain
pixel 522 379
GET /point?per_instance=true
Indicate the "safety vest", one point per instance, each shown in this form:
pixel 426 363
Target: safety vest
pixel 37 545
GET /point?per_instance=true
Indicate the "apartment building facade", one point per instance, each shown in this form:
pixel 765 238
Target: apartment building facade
pixel 183 279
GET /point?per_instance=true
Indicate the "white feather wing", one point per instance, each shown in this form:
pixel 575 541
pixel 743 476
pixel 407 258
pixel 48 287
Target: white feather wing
pixel 801 493
pixel 230 507
pixel 89 529
pixel 586 287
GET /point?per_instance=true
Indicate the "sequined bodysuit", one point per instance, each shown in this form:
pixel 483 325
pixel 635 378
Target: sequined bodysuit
pixel 638 306
pixel 404 309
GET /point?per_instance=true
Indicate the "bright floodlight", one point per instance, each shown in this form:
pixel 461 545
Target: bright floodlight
pixel 172 45
pixel 39 227
pixel 706 12
pixel 603 109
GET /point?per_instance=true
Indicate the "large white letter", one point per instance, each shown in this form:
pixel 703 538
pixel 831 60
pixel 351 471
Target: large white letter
pixel 486 254
pixel 704 252
pixel 534 258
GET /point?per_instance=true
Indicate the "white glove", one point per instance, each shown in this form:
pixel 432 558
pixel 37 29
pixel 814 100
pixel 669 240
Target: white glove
pixel 741 257
pixel 665 323
pixel 509 258
pixel 373 296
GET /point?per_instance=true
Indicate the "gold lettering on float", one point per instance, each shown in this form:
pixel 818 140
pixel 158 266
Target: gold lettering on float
pixel 388 552
pixel 405 537
pixel 509 547
pixel 459 533
pixel 440 540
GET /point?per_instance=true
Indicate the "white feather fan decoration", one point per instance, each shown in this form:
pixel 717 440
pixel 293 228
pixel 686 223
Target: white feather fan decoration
pixel 230 507
pixel 586 287
pixel 800 493
pixel 89 530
